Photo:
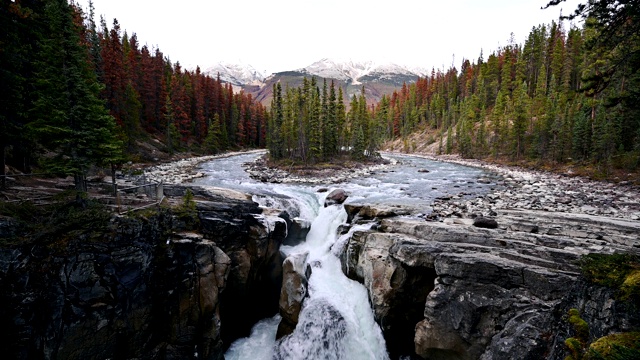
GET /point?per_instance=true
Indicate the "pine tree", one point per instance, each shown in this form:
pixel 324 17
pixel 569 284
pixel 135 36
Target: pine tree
pixel 17 30
pixel 520 119
pixel 330 144
pixel 276 149
pixel 212 141
pixel 315 130
pixel 341 120
pixel 70 119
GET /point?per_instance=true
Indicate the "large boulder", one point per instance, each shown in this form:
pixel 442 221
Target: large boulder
pixel 294 291
pixel 337 196
pixel 483 222
pixel 321 332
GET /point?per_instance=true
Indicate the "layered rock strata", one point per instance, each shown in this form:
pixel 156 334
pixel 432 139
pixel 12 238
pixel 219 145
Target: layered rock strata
pixel 451 290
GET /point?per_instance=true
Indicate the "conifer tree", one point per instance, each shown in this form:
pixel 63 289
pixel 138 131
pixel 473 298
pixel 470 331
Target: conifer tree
pixel 341 121
pixel 70 119
pixel 315 130
pixel 330 144
pixel 276 150
pixel 212 141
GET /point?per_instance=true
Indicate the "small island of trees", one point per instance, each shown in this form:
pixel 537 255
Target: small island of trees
pixel 308 125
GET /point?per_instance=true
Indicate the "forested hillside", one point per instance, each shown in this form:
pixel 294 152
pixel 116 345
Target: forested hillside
pixel 565 95
pixel 74 93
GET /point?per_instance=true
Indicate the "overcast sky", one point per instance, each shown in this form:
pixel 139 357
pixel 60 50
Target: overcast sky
pixel 278 35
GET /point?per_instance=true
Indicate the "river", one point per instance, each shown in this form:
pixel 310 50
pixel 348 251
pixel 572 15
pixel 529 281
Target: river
pixel 336 321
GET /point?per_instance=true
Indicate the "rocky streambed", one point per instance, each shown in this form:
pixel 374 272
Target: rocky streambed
pixel 522 189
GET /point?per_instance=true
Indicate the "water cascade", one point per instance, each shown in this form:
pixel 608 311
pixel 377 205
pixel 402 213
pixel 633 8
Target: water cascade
pixel 336 321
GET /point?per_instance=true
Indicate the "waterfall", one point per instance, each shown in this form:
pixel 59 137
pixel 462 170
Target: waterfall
pixel 336 321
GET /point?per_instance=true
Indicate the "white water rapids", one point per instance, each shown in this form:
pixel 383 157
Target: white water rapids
pixel 336 321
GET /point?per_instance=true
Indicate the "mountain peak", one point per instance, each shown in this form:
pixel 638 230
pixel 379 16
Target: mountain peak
pixel 237 73
pixel 353 71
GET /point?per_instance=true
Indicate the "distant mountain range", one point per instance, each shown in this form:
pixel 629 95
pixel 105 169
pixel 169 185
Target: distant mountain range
pixel 377 79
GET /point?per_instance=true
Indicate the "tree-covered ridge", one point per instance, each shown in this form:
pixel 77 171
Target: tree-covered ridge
pixel 310 125
pixel 74 94
pixel 147 93
pixel 563 95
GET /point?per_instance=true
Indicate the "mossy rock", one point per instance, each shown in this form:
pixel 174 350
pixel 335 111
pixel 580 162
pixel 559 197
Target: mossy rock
pixel 620 346
pixel 620 272
pixel 631 286
pixel 579 325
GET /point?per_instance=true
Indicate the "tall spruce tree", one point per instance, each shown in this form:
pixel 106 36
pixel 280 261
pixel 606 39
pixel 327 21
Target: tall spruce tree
pixel 70 120
pixel 16 29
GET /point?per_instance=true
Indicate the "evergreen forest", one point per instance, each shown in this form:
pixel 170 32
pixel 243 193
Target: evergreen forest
pixel 77 93
pixel 309 125
pixel 564 96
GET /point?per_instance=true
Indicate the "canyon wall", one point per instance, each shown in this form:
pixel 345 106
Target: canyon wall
pixel 150 287
pixel 451 290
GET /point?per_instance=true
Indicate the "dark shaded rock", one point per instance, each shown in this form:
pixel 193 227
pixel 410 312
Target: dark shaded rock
pixel 352 210
pixel 146 287
pixel 8 227
pixel 297 231
pixel 483 222
pixel 423 171
pixel 253 289
pixel 337 196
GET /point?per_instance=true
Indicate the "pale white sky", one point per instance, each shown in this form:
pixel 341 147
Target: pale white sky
pixel 279 35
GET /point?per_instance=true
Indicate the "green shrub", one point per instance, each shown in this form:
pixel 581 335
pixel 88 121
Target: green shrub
pixel 620 346
pixel 620 272
pixel 187 211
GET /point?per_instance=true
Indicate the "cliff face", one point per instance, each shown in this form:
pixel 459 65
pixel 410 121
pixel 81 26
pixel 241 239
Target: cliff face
pixel 147 288
pixel 449 290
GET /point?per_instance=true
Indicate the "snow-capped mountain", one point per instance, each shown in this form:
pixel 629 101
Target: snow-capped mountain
pixel 237 74
pixel 354 72
pixel 378 79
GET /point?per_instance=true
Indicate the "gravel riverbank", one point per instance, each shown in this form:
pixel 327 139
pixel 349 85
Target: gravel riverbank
pixel 523 189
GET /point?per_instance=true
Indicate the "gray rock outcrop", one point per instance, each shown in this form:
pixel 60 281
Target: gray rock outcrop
pixel 294 291
pixel 462 292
